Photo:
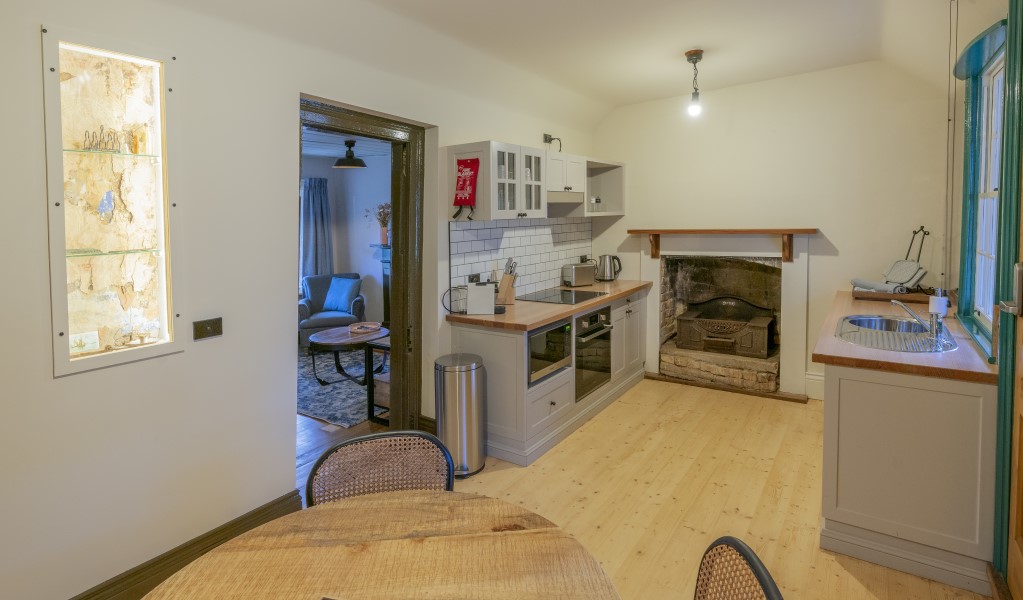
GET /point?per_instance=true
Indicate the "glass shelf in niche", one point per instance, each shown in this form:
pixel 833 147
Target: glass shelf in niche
pixel 87 252
pixel 111 153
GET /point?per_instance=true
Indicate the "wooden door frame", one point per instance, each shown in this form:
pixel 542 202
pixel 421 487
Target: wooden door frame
pixel 408 149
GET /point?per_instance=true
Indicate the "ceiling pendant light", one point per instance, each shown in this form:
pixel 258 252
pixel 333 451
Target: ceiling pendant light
pixel 695 56
pixel 349 161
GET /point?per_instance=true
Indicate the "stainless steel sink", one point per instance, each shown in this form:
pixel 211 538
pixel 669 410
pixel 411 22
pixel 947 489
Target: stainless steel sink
pixel 898 334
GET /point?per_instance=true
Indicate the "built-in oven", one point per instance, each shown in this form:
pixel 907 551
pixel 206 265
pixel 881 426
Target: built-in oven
pixel 549 350
pixel 592 351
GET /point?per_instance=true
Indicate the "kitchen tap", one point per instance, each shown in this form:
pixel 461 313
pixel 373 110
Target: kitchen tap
pixel 937 308
pixel 931 326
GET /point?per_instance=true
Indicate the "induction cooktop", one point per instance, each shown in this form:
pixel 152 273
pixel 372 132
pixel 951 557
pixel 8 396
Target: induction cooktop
pixel 560 296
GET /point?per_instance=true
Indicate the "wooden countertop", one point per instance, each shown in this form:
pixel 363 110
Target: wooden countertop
pixel 527 316
pixel 964 363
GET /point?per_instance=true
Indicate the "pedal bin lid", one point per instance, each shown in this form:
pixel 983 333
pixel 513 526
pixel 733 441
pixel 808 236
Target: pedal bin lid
pixel 458 362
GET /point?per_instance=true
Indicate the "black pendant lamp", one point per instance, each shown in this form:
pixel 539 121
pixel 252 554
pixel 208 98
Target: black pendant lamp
pixel 349 161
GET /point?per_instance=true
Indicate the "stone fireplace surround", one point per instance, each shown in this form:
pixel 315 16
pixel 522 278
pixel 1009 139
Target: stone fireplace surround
pixel 792 374
pixel 691 280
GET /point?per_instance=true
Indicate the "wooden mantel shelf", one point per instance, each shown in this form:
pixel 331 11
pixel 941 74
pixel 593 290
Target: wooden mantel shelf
pixel 786 237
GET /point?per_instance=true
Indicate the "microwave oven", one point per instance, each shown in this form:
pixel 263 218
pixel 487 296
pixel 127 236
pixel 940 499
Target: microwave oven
pixel 549 350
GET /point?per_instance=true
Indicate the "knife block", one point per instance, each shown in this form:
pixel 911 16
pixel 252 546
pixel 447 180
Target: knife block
pixel 506 290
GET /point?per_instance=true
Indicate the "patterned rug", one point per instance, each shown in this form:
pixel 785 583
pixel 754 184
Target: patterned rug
pixel 342 403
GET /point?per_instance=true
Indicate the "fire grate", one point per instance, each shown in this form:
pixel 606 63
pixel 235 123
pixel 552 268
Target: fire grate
pixel 726 324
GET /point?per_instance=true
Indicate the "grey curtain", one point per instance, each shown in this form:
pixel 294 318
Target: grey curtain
pixel 316 251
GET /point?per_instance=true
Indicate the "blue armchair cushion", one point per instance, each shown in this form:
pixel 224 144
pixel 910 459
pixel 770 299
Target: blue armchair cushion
pixel 341 294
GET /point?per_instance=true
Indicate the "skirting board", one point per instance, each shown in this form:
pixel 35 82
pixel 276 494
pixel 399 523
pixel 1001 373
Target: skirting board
pixel 898 555
pixel 815 385
pixel 138 581
pixel 428 424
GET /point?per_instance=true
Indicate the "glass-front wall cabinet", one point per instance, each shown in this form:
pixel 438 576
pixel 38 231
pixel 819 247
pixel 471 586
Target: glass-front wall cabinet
pixel 507 176
pixel 532 182
pixel 107 195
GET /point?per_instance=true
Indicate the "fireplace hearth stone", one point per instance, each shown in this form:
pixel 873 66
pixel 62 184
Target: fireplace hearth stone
pixel 739 372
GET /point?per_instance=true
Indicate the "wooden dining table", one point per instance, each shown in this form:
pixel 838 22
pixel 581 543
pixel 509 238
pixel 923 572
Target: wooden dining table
pixel 410 544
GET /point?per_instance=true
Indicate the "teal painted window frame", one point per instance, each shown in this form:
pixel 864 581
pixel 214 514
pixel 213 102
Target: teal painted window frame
pixel 977 55
pixel 1008 251
pixel 974 129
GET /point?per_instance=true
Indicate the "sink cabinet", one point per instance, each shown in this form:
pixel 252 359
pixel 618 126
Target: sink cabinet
pixel 908 477
pixel 510 183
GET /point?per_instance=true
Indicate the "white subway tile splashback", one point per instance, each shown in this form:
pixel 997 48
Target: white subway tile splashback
pixel 539 246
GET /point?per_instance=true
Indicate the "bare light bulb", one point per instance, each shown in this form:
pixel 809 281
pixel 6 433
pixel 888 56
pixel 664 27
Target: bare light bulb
pixel 694 105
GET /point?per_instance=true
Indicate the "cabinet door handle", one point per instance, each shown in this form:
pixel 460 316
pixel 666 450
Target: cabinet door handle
pixel 553 403
pixel 1012 306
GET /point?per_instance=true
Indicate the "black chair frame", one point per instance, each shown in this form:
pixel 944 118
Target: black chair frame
pixel 771 591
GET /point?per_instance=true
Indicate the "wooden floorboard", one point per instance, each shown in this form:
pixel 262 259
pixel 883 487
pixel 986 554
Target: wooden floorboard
pixel 648 483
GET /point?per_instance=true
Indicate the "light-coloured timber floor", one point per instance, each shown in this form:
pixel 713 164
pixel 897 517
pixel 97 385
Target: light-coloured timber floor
pixel 648 483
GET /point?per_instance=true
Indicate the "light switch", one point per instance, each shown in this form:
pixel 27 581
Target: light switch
pixel 207 328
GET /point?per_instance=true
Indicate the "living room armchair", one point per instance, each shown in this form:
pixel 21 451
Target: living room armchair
pixel 328 303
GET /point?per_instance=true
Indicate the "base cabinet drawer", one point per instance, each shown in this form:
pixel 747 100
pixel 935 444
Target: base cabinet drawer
pixel 546 408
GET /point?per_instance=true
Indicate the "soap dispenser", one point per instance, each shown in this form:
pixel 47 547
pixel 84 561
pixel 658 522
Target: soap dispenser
pixel 938 307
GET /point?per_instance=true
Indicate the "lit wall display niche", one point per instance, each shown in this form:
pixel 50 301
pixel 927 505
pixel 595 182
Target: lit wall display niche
pixel 107 203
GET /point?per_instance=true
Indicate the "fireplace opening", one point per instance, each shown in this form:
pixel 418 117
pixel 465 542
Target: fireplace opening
pixel 720 321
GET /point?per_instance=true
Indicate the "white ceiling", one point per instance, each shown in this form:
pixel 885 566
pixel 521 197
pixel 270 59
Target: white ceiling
pixel 627 52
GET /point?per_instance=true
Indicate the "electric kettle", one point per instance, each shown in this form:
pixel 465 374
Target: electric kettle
pixel 608 267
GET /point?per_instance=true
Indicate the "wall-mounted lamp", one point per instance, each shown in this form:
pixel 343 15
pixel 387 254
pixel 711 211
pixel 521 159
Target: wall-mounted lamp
pixel 349 161
pixel 695 56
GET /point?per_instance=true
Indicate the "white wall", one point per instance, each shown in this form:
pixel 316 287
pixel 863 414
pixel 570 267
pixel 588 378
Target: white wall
pixel 351 192
pixel 107 469
pixel 857 152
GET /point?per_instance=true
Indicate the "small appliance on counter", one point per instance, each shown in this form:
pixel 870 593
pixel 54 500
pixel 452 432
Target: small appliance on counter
pixel 480 299
pixel 608 267
pixel 578 274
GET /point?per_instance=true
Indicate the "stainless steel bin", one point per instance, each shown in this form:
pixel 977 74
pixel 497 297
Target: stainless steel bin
pixel 461 392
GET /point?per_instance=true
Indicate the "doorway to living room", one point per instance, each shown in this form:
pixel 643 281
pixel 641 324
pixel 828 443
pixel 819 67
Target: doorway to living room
pixel 376 272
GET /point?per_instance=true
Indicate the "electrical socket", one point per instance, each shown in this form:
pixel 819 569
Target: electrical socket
pixel 548 138
pixel 208 328
pixel 474 278
pixel 583 258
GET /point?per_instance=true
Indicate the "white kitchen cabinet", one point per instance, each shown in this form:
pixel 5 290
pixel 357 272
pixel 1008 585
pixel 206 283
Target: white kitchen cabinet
pixel 617 340
pixel 628 318
pixel 510 183
pixel 566 173
pixel 908 475
pixel 523 422
pixel 605 189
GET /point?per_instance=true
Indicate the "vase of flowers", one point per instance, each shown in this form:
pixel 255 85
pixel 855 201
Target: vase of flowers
pixel 382 214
